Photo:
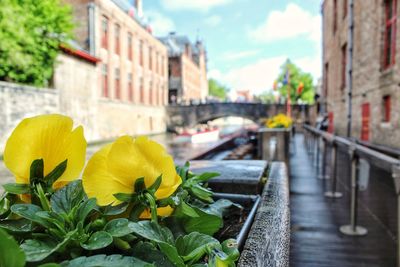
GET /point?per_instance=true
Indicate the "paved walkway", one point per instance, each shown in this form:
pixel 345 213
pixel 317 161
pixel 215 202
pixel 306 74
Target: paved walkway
pixel 315 220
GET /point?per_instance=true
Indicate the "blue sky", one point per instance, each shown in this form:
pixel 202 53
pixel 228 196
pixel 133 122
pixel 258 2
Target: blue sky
pixel 246 40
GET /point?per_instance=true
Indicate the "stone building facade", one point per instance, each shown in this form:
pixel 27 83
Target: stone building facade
pixel 133 67
pixel 375 68
pixel 187 69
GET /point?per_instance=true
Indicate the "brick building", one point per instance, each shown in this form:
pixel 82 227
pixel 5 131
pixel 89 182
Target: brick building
pixel 187 69
pixel 374 64
pixel 133 62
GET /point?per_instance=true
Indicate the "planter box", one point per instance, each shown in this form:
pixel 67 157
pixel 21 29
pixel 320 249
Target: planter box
pixel 273 144
pixel 236 176
pixel 268 240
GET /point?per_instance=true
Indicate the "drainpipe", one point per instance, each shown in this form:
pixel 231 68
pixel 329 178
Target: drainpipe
pixel 91 12
pixel 350 66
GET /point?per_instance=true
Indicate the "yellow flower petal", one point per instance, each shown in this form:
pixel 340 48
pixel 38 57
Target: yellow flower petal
pixel 162 212
pixel 47 137
pixel 98 182
pixel 123 162
pixel 130 159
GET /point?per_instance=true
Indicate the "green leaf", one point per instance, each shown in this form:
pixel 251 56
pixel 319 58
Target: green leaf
pixel 115 210
pixel 11 255
pixel 85 208
pixel 201 193
pixel 221 207
pixel 146 251
pixel 139 185
pixel 40 248
pixel 230 248
pixel 98 240
pixel 50 264
pixel 152 231
pixel 171 252
pixel 21 225
pixel 162 236
pixel 56 173
pixel 195 220
pixel 183 171
pixel 65 199
pixel 16 189
pixel 28 211
pixel 106 261
pixel 126 197
pixel 204 177
pixel 118 227
pixel 153 188
pixel 194 246
pixel 36 171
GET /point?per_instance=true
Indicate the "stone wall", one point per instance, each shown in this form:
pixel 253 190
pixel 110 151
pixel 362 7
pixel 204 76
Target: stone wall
pixel 20 101
pixel 371 82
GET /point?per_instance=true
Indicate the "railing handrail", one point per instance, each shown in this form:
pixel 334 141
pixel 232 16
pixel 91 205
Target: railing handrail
pixel 374 157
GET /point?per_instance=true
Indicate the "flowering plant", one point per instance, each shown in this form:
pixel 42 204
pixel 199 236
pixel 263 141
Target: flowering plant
pixel 132 207
pixel 279 121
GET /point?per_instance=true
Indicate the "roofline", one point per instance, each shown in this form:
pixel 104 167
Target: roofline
pixel 79 54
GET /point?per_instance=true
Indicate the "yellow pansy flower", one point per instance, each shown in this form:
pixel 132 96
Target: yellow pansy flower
pixel 48 137
pixel 116 167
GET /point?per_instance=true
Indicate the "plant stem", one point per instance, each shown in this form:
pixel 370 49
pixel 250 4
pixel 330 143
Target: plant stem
pixel 153 207
pixel 43 199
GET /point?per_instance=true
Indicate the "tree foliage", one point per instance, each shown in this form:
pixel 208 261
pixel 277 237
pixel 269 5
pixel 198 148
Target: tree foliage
pixel 296 76
pixel 30 34
pixel 217 90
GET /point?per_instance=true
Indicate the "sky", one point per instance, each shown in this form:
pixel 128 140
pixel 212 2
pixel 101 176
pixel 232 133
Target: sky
pixel 246 40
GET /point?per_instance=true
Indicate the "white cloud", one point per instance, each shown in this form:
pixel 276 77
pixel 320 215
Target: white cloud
pixel 160 24
pixel 290 23
pixel 232 55
pixel 198 5
pixel 213 20
pixel 260 75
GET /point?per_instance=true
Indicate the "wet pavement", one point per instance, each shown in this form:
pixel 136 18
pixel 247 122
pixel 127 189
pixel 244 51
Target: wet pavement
pixel 315 219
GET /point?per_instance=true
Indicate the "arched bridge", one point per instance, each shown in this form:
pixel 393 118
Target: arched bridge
pixel 190 115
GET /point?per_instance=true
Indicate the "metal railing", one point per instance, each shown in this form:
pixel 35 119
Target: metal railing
pixel 356 151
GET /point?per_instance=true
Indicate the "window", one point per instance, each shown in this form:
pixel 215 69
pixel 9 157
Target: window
pixel 150 58
pixel 151 92
pixel 344 8
pixel 130 87
pixel 141 53
pixel 344 61
pixel 157 67
pixel 130 46
pixel 104 82
pixel 141 89
pixel 390 33
pixel 334 16
pixel 117 44
pixel 386 108
pixel 117 84
pixel 104 33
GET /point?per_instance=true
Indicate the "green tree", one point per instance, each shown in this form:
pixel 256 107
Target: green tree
pixel 296 76
pixel 266 97
pixel 217 90
pixel 30 35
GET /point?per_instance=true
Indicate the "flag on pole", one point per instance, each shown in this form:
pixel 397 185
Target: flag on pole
pixel 286 78
pixel 300 88
pixel 286 81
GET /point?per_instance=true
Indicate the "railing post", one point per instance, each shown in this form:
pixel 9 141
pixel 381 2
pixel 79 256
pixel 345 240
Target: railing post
pixel 333 193
pixel 324 150
pixel 396 177
pixel 317 157
pixel 353 229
